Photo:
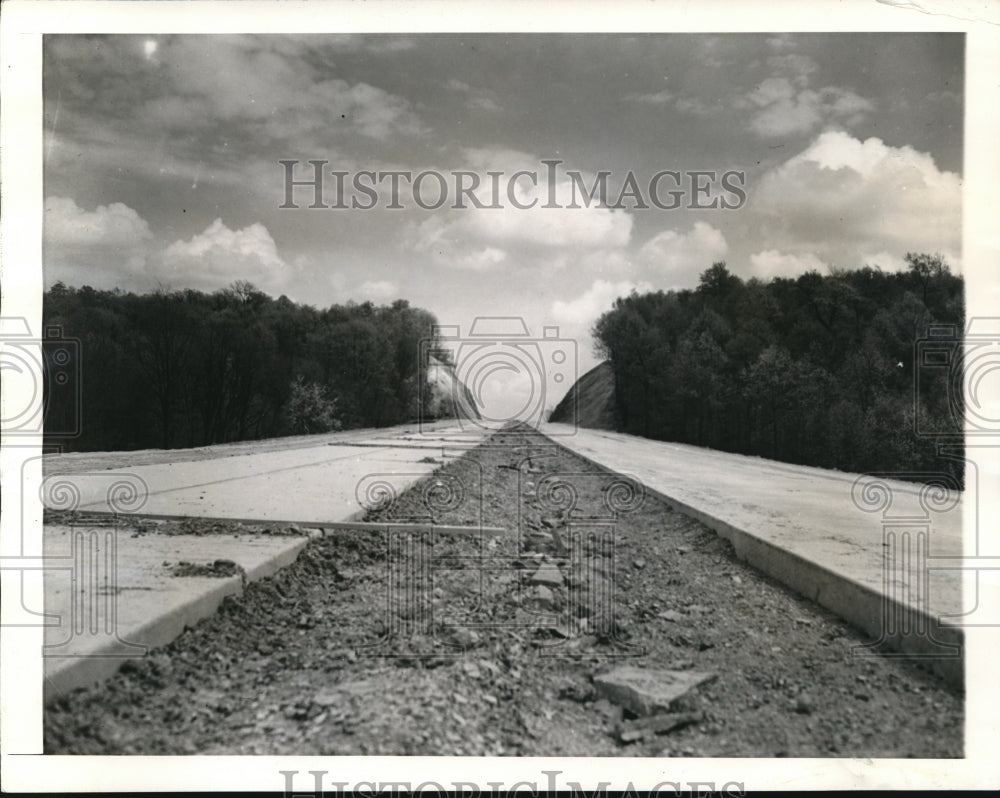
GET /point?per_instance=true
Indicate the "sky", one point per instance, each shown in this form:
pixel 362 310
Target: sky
pixel 162 167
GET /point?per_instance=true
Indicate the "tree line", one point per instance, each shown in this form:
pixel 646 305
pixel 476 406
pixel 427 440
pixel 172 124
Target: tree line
pixel 187 368
pixel 817 370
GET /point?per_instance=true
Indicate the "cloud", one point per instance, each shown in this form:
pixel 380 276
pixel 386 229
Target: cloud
pixel 215 258
pixel 480 239
pixel 657 98
pixel 771 263
pixel 577 316
pixel 887 262
pixel 782 108
pixel 484 104
pixel 843 199
pixel 477 99
pixel 114 225
pixel 585 308
pixel 782 42
pixel 684 256
pixel 377 289
pixel 179 100
pixel 93 247
pixel 785 102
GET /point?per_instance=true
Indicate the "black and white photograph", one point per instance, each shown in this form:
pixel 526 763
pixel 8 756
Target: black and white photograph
pixel 617 391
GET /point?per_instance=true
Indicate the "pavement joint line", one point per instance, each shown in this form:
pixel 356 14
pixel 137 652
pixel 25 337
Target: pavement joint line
pixel 360 526
pixel 236 478
pixel 433 448
pixel 861 605
pixel 91 664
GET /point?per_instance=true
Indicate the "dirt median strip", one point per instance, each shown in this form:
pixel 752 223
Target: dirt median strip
pixel 466 657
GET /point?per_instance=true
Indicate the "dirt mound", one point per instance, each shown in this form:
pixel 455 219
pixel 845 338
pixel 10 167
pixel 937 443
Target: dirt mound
pixel 595 401
pixel 450 397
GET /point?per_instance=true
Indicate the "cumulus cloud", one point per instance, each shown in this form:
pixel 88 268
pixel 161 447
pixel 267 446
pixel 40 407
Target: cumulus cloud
pixel 96 247
pixel 577 316
pixel 888 262
pixel 116 224
pixel 377 289
pixel 531 235
pixel 772 263
pixel 216 257
pixel 588 306
pixel 551 227
pixel 844 200
pixel 683 256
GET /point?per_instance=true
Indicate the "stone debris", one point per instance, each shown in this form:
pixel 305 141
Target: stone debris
pixel 543 596
pixel 219 568
pixel 645 728
pixel 548 575
pixel 648 691
pixel 465 638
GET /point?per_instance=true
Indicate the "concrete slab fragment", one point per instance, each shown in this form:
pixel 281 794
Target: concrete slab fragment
pixel 647 691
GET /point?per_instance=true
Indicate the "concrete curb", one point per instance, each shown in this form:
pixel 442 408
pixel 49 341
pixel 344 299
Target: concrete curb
pixel 939 649
pixel 93 667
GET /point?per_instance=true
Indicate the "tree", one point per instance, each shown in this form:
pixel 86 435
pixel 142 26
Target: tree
pixel 309 410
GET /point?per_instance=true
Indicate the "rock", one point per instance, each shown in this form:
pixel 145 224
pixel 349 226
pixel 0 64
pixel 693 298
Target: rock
pixel 644 728
pixel 327 698
pixel 647 691
pixel 547 575
pixel 466 638
pixel 670 615
pixel 471 669
pixel 803 705
pixel 543 596
pixel 639 564
pixel 610 711
pixel 737 580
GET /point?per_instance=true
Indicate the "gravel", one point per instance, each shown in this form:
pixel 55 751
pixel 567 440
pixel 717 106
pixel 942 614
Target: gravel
pixel 478 656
